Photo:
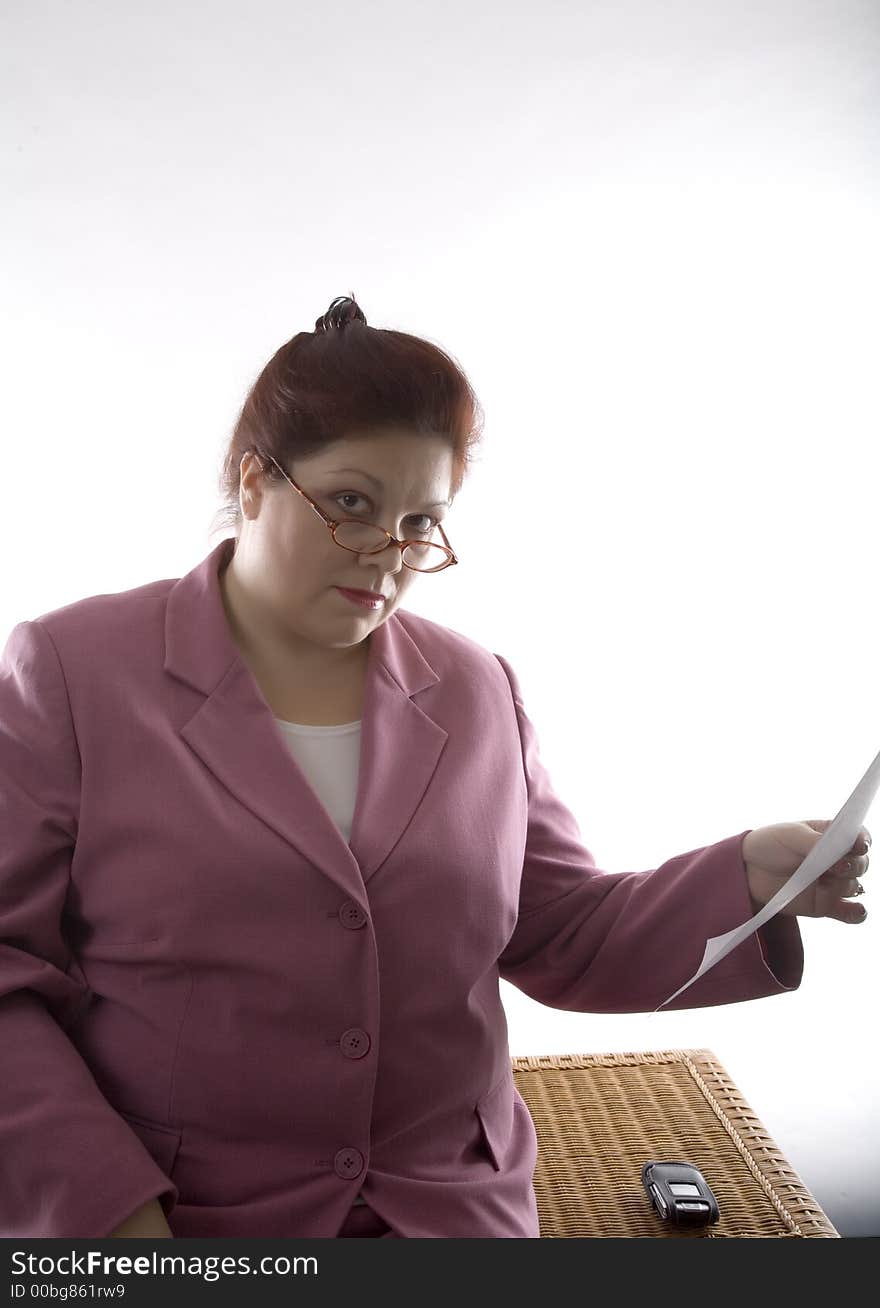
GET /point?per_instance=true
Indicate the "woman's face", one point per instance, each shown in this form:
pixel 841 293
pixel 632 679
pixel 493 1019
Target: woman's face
pixel 286 561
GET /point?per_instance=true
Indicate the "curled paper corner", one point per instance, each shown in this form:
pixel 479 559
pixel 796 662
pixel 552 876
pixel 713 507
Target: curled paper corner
pixel 717 947
pixel 708 959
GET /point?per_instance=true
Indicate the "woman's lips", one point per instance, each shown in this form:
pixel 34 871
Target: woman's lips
pixel 362 597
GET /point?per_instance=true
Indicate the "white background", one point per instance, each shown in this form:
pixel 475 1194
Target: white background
pixel 649 234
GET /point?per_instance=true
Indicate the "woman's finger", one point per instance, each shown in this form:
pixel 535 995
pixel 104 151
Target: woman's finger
pixel 850 866
pixel 839 900
pixel 846 910
pixel 862 842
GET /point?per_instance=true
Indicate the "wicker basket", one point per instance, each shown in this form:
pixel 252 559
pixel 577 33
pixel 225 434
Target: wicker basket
pixel 599 1117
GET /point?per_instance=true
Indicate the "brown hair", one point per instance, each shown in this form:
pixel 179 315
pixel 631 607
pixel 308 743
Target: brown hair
pixel 343 379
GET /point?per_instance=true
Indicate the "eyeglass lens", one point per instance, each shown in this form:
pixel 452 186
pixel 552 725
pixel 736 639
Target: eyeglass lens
pixel 366 538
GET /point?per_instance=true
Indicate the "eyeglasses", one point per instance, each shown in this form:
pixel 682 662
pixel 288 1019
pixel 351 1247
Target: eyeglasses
pixel 369 538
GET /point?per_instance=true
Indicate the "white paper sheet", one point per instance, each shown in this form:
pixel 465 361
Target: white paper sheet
pixel 839 837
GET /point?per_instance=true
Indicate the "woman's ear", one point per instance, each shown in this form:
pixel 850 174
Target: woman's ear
pixel 251 475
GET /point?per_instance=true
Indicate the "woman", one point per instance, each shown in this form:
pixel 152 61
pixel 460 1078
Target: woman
pixel 270 840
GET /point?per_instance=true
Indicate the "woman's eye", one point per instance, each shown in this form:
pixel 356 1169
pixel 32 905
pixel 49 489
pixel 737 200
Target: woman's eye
pixel 427 524
pixel 421 523
pixel 351 495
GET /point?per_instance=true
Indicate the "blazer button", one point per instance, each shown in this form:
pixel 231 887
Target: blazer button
pixel 354 1043
pixel 351 915
pixel 348 1163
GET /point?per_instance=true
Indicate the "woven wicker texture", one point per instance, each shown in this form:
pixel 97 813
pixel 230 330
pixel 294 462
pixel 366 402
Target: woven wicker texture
pixel 599 1117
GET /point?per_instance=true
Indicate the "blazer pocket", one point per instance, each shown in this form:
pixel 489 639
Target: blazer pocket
pixel 495 1111
pixel 161 1142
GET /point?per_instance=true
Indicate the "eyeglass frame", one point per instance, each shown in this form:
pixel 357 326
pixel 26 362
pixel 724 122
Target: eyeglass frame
pixel 332 524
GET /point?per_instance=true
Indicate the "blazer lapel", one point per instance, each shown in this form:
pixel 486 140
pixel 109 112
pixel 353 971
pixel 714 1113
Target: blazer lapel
pixel 233 732
pixel 400 744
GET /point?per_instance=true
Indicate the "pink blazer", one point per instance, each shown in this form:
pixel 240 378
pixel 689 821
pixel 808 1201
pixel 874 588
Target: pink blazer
pixel 209 997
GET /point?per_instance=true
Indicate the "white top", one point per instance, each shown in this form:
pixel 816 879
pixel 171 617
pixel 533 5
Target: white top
pixel 330 758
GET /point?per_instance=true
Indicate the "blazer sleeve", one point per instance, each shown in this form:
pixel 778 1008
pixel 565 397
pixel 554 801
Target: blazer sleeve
pixel 71 1165
pixel 603 942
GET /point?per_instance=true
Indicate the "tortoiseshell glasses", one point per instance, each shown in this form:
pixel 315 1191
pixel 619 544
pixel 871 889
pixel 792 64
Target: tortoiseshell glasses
pixel 369 538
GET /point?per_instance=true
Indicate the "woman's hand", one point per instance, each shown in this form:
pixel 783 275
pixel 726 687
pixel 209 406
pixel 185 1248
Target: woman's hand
pixel 148 1223
pixel 772 854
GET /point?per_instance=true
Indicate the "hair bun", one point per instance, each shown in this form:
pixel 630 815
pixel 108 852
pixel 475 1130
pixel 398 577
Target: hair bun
pixel 344 309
